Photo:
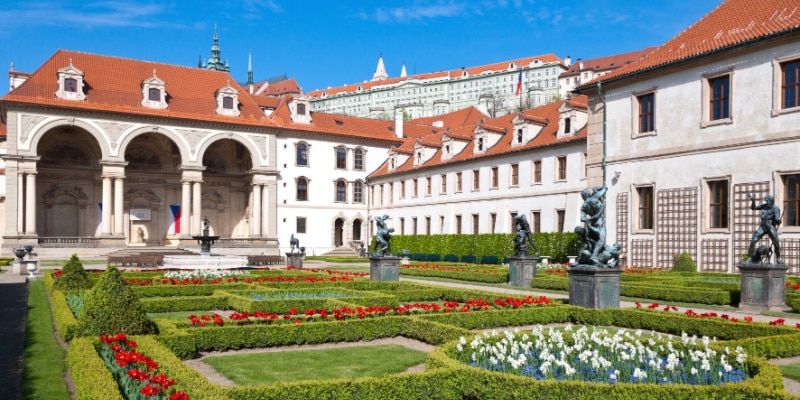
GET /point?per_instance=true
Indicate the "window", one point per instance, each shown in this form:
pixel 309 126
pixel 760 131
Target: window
pixel 512 226
pixel 718 204
pixel 494 178
pixel 358 160
pixel 719 90
pixel 414 225
pixel 301 159
pixel 536 221
pixel 380 195
pixel 537 171
pixel 476 179
pixel 416 187
pixel 647 110
pixel 475 223
pixel 301 109
pixel 519 135
pixel 301 225
pixel 341 192
pixel 645 207
pixel 358 189
pixel 562 168
pixel 427 225
pixel 791 200
pixel 514 174
pixel 70 85
pixel 585 165
pixel 492 222
pixel 402 189
pixel 154 94
pixel 341 158
pixel 443 189
pixel 402 226
pixel 559 220
pixel 302 189
pixel 458 224
pixel 458 182
pixel 441 224
pixel 567 125
pixel 227 103
pixel 790 84
pixel 429 187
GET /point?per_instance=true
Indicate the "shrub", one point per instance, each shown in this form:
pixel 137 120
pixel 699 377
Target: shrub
pixel 73 276
pixel 111 306
pixel 469 259
pixel 433 257
pixel 450 258
pixel 489 260
pixel 684 263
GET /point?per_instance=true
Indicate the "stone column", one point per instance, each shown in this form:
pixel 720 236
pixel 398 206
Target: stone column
pixel 118 206
pixel 20 203
pixel 196 209
pixel 256 207
pixel 106 223
pixel 30 204
pixel 186 207
pixel 265 231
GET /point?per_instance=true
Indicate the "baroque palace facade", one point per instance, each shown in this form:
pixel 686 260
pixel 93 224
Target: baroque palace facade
pixel 695 127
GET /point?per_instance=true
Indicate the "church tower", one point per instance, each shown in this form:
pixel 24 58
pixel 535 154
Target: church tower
pixel 249 69
pixel 403 71
pixel 380 72
pixel 215 62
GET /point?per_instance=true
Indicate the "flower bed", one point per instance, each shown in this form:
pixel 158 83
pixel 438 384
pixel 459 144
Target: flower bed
pixel 480 273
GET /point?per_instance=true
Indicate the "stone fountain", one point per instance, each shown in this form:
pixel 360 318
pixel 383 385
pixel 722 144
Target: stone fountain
pixel 205 260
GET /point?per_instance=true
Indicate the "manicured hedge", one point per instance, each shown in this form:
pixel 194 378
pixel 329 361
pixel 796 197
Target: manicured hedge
pixel 469 275
pixel 89 373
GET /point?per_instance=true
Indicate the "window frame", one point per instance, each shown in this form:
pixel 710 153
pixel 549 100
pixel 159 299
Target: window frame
pixel 476 224
pixel 358 159
pixel 708 98
pixel 428 186
pixel 343 192
pixel 636 113
pixel 710 185
pixel 494 182
pixel 298 225
pixel 536 221
pixel 778 77
pixel 781 199
pixel 459 182
pixel 415 192
pixel 443 184
pixel 513 172
pixel 458 224
pixel 560 219
pixel 476 180
pixel 561 170
pixel 297 153
pixel 358 192
pixel 297 188
pixel 536 172
pixel 638 207
pixel 336 159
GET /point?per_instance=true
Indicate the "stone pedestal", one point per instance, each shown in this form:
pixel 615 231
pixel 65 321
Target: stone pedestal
pixel 593 287
pixel 384 269
pixel 763 287
pixel 21 267
pixel 295 260
pixel 521 270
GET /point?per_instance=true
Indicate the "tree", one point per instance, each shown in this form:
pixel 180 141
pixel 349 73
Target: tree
pixel 111 307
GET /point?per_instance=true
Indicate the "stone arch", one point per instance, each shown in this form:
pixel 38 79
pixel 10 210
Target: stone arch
pixel 339 225
pixel 40 130
pixel 180 141
pixel 146 228
pixel 255 154
pixel 63 210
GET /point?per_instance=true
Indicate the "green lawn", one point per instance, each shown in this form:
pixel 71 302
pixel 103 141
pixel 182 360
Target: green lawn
pixel 333 363
pixel 791 371
pixel 44 358
pixel 182 316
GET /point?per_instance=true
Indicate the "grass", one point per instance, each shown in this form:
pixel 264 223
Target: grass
pixel 44 358
pixel 182 316
pixel 333 363
pixel 791 371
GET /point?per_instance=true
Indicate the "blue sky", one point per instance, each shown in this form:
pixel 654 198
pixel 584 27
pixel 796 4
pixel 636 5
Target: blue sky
pixel 331 43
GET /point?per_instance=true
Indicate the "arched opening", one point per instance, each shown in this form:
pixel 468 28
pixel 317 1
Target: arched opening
pixel 338 232
pixel 68 183
pixel 227 192
pixel 152 184
pixel 357 229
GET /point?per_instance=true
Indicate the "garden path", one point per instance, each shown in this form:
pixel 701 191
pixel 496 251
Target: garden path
pixel 13 313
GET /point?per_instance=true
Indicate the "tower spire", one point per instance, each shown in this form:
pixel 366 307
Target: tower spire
pixel 249 68
pixel 403 71
pixel 215 62
pixel 380 72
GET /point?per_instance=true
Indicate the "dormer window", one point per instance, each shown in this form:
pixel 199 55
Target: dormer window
pixel 519 135
pixel 70 83
pixel 567 125
pixel 154 94
pixel 228 101
pixel 301 109
pixel 298 109
pixel 480 144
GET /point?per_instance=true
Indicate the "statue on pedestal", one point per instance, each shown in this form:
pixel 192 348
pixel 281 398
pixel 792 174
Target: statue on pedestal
pixel 294 243
pixel 382 236
pixel 594 251
pixel 770 219
pixel 523 238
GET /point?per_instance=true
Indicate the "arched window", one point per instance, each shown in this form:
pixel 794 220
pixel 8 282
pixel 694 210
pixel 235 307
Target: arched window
pixel 358 189
pixel 341 158
pixel 358 160
pixel 341 191
pixel 519 135
pixel 302 154
pixel 302 189
pixel 567 125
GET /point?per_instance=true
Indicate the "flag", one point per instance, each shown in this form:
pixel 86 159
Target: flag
pixel 99 219
pixel 519 83
pixel 175 219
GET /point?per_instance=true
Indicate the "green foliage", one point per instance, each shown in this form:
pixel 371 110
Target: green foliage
pixel 6 261
pixel 557 245
pixel 89 373
pixel 111 307
pixel 684 263
pixel 471 273
pixel 62 314
pixel 44 365
pixel 74 276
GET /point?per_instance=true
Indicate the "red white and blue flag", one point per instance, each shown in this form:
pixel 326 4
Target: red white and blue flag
pixel 99 229
pixel 175 219
pixel 519 82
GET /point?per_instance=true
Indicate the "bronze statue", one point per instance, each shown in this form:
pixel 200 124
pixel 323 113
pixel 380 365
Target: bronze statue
pixel 523 237
pixel 295 243
pixel 594 250
pixel 770 219
pixel 382 236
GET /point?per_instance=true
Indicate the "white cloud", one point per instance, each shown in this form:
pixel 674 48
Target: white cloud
pixel 88 15
pixel 417 12
pixel 254 8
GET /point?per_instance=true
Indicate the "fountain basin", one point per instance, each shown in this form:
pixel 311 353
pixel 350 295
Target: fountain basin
pixel 204 261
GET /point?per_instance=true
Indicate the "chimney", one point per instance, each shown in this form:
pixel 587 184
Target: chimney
pixel 580 65
pixel 567 61
pixel 398 123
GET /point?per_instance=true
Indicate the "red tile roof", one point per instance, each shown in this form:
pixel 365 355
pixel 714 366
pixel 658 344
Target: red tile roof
pixel 277 89
pixel 499 66
pixel 546 115
pixel 114 85
pixel 732 24
pixel 605 63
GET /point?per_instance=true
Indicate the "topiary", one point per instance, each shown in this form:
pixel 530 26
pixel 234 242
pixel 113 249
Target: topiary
pixel 73 276
pixel 684 263
pixel 111 307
